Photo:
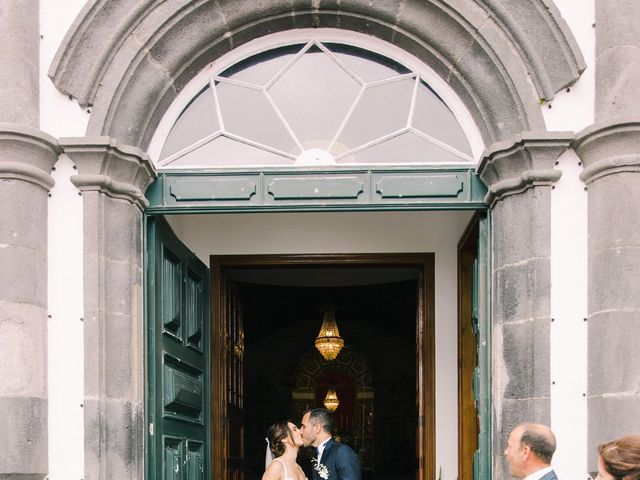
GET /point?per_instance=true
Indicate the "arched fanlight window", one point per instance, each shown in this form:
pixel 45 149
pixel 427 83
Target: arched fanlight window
pixel 315 103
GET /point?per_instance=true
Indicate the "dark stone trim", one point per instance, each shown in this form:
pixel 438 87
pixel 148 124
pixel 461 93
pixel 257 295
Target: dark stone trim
pixel 609 147
pixel 144 53
pixel 27 154
pixel 525 161
pixel 118 171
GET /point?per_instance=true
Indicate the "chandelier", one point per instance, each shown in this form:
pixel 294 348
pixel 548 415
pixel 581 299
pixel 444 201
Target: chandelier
pixel 331 401
pixel 329 342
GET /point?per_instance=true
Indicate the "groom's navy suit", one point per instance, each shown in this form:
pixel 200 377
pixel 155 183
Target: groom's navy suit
pixel 341 462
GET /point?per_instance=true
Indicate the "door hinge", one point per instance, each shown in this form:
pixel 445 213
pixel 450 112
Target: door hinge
pixel 151 429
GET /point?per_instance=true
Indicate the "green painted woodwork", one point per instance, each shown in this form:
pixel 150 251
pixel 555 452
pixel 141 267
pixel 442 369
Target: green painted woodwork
pixel 482 373
pixel 178 296
pixel 312 189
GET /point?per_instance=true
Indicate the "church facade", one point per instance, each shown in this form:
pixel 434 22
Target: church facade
pixel 154 152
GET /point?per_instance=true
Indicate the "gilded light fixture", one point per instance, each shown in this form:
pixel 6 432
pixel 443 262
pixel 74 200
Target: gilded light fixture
pixel 331 401
pixel 329 342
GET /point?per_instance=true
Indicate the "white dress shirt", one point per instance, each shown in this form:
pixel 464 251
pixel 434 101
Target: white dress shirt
pixel 321 448
pixel 539 474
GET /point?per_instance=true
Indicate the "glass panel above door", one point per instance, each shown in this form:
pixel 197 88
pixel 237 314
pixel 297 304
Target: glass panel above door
pixel 319 104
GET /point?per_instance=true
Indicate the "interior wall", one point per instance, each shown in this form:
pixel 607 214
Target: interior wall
pixel 357 232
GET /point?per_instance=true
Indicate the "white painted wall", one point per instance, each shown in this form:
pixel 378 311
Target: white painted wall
pixel 59 116
pixel 568 332
pixel 362 232
pixel 65 327
pixel 574 110
pixel 367 232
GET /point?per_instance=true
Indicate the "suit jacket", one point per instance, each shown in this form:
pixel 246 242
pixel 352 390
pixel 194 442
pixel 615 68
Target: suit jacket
pixel 550 476
pixel 341 462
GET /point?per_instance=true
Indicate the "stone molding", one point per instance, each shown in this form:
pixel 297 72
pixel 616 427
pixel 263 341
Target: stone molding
pixel 526 161
pixel 609 147
pixel 128 60
pixel 27 154
pixel 104 165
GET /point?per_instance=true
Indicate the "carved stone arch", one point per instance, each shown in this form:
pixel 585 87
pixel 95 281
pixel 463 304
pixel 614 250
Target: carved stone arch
pixel 353 364
pixel 350 361
pixel 129 60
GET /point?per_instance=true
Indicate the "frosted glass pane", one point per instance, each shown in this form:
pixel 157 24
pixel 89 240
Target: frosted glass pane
pixel 405 148
pixel 382 109
pixel 435 119
pixel 314 96
pixel 247 113
pixel 367 65
pixel 223 151
pixel 196 121
pixel 261 68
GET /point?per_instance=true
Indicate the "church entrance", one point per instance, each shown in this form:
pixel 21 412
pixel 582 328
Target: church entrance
pixel 232 340
pixel 272 308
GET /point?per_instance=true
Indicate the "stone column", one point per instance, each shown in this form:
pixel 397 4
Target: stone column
pixel 112 179
pixel 519 174
pixel 26 158
pixel 610 154
pixel 19 59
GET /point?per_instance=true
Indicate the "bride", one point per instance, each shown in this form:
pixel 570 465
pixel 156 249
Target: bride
pixel 283 441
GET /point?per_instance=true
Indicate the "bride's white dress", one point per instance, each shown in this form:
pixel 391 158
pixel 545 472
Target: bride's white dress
pixel 286 475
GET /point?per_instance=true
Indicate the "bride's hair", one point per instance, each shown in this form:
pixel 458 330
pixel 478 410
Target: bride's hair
pixel 275 436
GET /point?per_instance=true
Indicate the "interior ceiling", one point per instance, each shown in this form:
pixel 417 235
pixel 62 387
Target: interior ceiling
pixel 323 277
pixel 368 301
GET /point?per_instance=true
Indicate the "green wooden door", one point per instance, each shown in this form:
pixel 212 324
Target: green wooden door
pixel 481 327
pixel 178 366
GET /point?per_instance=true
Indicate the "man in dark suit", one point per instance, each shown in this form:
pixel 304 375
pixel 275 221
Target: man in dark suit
pixel 335 461
pixel 529 451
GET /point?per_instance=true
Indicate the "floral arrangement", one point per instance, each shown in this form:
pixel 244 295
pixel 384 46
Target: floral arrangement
pixel 322 469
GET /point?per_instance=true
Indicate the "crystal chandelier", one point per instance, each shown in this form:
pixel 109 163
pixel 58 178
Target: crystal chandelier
pixel 329 342
pixel 331 401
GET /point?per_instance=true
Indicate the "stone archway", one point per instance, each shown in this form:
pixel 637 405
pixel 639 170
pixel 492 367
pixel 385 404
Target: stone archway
pixel 127 61
pixel 352 364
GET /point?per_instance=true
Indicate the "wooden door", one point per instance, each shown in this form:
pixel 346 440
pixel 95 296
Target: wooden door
pixel 474 422
pixel 178 399
pixel 228 377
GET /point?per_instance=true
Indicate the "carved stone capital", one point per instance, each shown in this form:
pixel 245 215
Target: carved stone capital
pixel 27 154
pixel 118 171
pixel 609 147
pixel 526 161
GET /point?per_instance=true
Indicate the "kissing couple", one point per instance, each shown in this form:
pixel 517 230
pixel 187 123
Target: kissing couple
pixel 334 461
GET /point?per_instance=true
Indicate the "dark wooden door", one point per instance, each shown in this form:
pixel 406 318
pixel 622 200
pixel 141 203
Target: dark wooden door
pixel 228 365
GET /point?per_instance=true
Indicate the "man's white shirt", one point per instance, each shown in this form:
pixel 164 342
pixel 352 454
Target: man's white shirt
pixel 539 474
pixel 321 448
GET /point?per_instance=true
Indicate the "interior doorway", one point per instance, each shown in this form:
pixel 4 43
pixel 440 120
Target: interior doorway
pixel 384 378
pixel 197 417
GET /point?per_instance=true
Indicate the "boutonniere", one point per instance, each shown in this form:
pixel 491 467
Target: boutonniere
pixel 322 469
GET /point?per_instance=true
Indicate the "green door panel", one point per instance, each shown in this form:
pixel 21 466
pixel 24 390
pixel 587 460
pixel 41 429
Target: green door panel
pixel 482 329
pixel 178 358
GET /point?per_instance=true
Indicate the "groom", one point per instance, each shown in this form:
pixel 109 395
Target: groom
pixel 335 461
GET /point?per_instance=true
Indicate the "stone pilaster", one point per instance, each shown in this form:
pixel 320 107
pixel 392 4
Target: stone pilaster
pixel 112 179
pixel 519 175
pixel 19 61
pixel 617 59
pixel 26 158
pixel 610 153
